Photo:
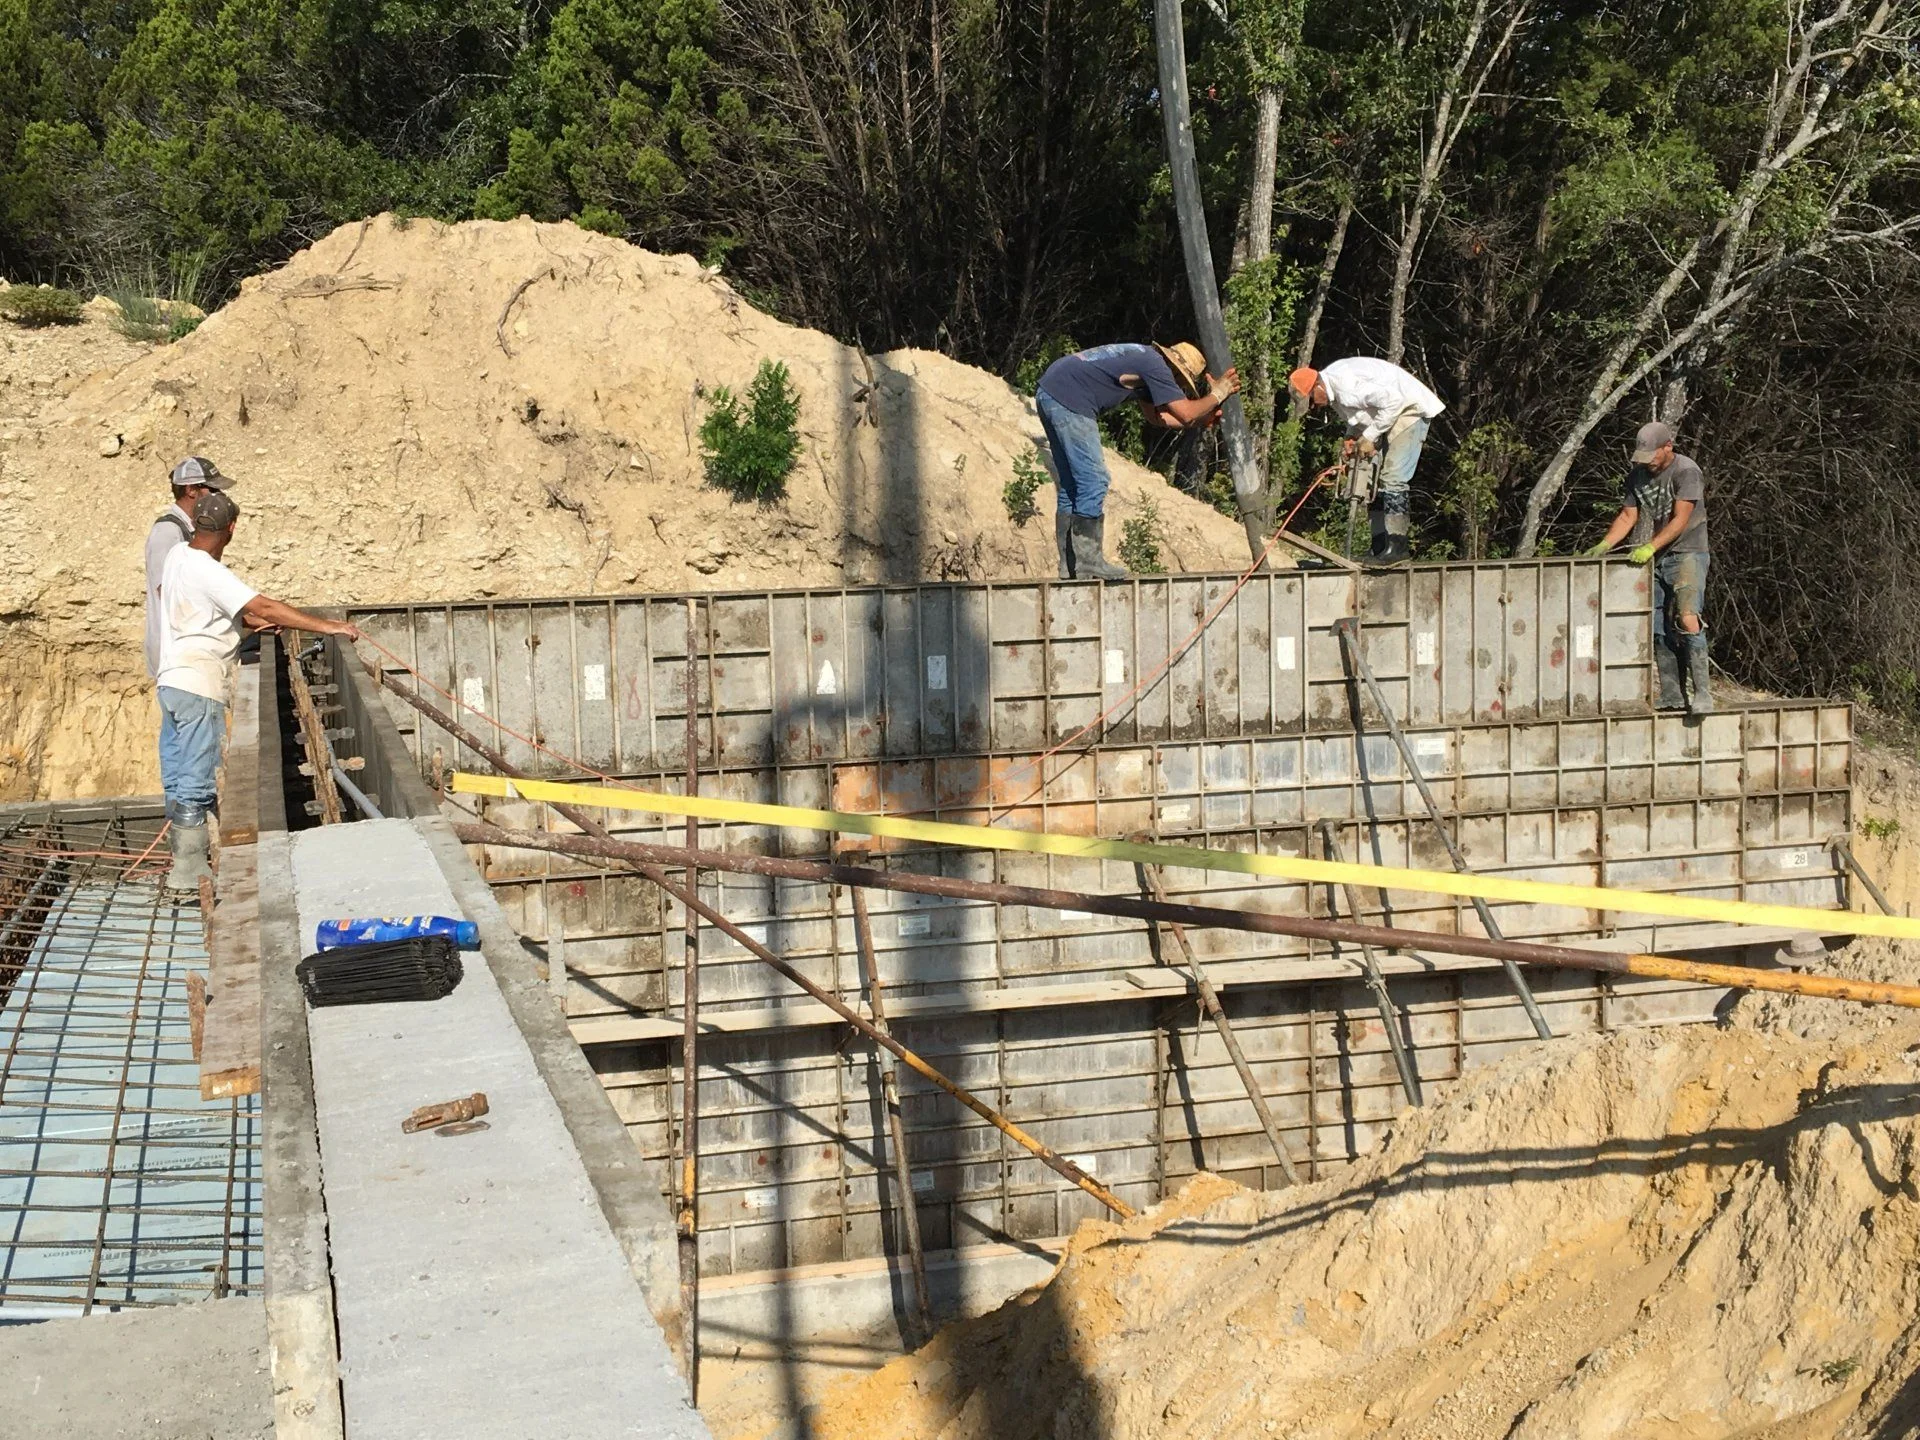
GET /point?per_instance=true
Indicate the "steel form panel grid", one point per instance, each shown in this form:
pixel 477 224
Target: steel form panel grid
pixel 794 1164
pixel 119 1186
pixel 1632 802
pixel 967 669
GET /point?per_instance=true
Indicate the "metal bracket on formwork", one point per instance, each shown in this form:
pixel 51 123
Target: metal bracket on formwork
pixel 1348 629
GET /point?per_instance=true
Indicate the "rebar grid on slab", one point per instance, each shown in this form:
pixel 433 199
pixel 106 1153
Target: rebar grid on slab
pixel 119 1186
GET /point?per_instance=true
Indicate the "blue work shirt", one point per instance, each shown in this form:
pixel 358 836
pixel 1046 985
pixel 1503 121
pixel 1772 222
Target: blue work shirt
pixel 1090 381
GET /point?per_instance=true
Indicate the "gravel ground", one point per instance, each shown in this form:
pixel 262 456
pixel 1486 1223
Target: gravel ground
pixel 183 1372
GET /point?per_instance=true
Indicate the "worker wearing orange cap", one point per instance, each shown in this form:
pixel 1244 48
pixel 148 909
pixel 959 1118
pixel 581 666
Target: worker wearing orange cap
pixel 1386 412
pixel 1171 385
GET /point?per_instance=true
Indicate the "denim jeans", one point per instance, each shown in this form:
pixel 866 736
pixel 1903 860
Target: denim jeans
pixel 1079 466
pixel 192 731
pixel 1397 465
pixel 1679 588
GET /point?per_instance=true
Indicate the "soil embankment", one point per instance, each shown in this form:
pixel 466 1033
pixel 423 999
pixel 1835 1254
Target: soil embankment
pixel 422 411
pixel 1706 1232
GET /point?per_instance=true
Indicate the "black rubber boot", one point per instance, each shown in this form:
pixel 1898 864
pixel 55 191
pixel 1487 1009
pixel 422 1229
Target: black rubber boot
pixel 1667 664
pixel 1089 561
pixel 1063 541
pixel 1390 550
pixel 188 845
pixel 1699 676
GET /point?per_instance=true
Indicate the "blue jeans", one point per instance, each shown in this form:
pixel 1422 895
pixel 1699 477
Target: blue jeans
pixel 1679 588
pixel 192 731
pixel 1079 466
pixel 1396 467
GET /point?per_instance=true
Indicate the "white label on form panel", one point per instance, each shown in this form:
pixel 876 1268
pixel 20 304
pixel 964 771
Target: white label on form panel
pixel 922 1180
pixel 1283 652
pixel 593 682
pixel 1424 648
pixel 915 925
pixel 936 672
pixel 828 683
pixel 1583 642
pixel 1796 860
pixel 473 693
pixel 1116 667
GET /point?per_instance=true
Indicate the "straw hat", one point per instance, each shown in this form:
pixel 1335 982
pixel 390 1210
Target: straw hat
pixel 1188 364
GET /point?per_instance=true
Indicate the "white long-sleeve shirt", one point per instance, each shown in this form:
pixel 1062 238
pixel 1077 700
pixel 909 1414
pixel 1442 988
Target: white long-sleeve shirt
pixel 1371 394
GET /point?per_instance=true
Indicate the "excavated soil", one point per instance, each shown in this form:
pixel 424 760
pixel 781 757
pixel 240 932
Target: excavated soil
pixel 421 411
pixel 1700 1232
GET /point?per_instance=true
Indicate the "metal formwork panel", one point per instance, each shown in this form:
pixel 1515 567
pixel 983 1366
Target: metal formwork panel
pixel 813 675
pixel 795 1161
pixel 1643 803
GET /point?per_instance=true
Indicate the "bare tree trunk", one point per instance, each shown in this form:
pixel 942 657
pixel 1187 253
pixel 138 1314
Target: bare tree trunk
pixel 1322 287
pixel 1723 296
pixel 1259 246
pixel 1447 128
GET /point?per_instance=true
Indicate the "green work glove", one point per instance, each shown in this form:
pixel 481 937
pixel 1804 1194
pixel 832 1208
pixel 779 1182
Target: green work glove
pixel 1597 551
pixel 1641 554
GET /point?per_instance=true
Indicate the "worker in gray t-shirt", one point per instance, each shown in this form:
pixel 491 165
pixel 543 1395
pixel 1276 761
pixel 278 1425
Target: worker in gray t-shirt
pixel 1665 515
pixel 191 478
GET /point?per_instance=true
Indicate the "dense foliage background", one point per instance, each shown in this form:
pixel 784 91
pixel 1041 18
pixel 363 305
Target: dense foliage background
pixel 1568 218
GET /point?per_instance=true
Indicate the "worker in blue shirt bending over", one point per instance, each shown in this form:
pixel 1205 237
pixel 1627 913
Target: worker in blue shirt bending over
pixel 1171 385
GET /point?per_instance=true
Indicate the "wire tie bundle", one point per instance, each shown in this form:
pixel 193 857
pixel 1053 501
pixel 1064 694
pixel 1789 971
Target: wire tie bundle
pixel 382 973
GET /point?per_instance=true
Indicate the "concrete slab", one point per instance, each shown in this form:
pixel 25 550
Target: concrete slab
pixel 479 1288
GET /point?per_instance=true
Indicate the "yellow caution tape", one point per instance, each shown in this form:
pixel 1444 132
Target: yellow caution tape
pixel 1239 862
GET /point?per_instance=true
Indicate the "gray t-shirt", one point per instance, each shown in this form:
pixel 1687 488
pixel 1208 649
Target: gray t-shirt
pixel 161 540
pixel 1654 495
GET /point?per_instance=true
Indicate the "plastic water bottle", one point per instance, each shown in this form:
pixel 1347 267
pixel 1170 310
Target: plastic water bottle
pixel 332 934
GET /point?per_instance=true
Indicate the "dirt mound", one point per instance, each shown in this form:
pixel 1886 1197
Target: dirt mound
pixel 424 411
pixel 1700 1232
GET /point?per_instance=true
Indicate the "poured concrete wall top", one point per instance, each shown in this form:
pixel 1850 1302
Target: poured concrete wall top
pixel 972 669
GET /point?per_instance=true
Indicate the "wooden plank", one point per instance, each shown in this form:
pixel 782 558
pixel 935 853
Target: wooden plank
pixel 239 781
pixel 197 1010
pixel 230 1047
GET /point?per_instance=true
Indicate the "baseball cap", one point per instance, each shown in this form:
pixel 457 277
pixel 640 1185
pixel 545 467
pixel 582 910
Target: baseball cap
pixel 215 512
pixel 1302 380
pixel 1653 437
pixel 198 470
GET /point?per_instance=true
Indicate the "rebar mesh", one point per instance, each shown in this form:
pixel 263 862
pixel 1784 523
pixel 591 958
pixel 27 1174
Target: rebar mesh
pixel 119 1186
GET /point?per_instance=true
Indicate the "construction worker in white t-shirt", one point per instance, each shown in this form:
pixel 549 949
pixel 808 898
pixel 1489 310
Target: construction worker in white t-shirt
pixel 1386 412
pixel 204 611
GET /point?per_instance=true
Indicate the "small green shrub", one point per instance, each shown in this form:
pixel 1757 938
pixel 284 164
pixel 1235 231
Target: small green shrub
pixel 32 306
pixel 1875 827
pixel 1017 494
pixel 1140 540
pixel 750 447
pixel 1838 1372
pixel 156 308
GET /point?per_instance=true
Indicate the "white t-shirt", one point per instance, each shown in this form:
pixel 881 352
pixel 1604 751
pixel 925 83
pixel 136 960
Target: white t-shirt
pixel 162 540
pixel 200 605
pixel 1371 394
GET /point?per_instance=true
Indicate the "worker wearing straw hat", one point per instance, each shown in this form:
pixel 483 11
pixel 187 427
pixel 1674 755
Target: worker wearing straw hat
pixel 1171 385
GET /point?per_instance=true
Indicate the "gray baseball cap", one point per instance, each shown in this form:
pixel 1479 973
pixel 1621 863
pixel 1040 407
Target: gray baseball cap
pixel 198 470
pixel 215 512
pixel 1654 437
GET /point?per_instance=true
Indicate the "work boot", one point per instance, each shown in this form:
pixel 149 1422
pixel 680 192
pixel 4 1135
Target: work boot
pixel 1089 559
pixel 188 844
pixel 1063 541
pixel 1667 664
pixel 1390 550
pixel 1699 677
